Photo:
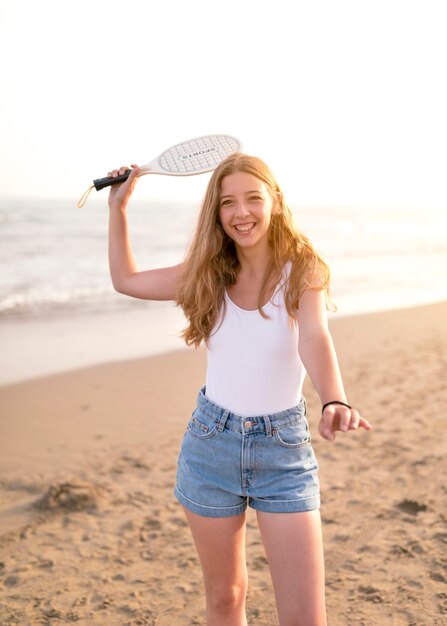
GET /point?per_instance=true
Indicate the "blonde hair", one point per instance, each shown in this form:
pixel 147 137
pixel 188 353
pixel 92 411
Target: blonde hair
pixel 211 264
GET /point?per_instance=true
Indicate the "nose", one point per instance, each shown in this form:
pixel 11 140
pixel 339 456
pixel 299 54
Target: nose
pixel 241 210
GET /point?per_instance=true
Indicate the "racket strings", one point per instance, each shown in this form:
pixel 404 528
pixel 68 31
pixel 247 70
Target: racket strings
pixel 197 155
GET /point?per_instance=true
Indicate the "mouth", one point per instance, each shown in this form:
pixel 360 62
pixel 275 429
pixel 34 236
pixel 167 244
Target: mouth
pixel 244 228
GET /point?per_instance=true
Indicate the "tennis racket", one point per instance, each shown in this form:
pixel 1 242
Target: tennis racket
pixel 195 156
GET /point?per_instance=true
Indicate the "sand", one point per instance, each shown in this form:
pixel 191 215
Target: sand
pixel 91 533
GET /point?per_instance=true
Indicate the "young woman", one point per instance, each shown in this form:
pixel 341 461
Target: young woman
pixel 255 291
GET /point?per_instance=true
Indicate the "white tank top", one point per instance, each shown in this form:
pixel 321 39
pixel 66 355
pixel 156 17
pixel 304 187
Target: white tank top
pixel 254 367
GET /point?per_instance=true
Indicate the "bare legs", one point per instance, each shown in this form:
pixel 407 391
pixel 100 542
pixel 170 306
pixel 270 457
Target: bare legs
pixel 294 549
pixel 220 543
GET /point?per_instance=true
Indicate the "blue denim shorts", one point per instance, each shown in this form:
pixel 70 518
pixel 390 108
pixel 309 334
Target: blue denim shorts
pixel 227 462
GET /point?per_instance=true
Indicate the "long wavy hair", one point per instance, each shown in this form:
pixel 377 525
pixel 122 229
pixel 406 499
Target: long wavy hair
pixel 211 263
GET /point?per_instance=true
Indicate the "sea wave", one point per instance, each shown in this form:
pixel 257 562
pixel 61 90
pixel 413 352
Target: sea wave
pixel 54 259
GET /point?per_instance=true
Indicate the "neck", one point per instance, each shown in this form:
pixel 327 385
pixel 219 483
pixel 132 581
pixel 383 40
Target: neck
pixel 254 262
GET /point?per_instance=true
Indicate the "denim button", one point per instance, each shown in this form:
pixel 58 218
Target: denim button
pixel 248 424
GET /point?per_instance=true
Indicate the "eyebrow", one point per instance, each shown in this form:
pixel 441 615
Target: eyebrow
pixel 245 192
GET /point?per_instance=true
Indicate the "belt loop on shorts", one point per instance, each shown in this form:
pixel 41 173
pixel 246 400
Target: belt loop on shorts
pixel 222 421
pixel 268 426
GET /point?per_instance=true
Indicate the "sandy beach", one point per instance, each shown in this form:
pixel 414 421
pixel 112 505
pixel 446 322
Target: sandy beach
pixel 91 533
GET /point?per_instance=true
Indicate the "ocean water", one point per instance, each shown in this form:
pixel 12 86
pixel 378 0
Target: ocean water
pixel 54 256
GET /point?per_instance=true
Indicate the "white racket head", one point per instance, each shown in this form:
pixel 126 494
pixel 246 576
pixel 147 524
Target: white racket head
pixel 195 156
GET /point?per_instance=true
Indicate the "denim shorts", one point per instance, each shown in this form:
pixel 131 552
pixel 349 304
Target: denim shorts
pixel 227 462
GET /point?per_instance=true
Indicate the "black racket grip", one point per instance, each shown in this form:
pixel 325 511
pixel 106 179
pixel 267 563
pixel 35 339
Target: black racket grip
pixel 100 183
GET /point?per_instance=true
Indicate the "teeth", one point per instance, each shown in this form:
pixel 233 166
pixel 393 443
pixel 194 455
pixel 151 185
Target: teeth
pixel 243 228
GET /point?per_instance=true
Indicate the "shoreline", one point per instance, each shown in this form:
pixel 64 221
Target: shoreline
pixel 90 530
pixel 38 346
pixel 35 346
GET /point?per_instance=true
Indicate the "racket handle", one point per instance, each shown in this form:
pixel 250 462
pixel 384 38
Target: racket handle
pixel 100 183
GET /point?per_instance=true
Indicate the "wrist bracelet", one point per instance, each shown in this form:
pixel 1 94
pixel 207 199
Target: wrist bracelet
pixel 348 406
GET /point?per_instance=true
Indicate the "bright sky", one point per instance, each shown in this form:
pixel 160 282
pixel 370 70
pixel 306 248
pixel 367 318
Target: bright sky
pixel 345 99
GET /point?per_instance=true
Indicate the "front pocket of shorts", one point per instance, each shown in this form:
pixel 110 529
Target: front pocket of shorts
pixel 293 435
pixel 201 426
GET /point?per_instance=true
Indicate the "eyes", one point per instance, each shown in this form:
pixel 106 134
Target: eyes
pixel 253 198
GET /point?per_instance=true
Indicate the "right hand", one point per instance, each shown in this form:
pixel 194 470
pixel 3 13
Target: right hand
pixel 120 193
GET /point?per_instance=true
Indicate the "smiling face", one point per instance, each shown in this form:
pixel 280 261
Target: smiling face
pixel 245 209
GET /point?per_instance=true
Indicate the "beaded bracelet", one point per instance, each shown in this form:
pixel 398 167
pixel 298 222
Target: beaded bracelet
pixel 348 406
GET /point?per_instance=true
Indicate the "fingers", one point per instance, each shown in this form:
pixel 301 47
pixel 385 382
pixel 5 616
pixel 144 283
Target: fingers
pixel 120 192
pixel 339 418
pixel 354 420
pixel 119 172
pixel 357 421
pixel 326 431
pixel 329 423
pixel 365 424
pixel 123 169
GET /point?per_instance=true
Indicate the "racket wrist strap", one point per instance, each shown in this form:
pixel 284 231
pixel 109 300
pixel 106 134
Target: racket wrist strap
pixel 83 199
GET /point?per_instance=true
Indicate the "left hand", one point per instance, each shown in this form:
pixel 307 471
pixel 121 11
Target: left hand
pixel 339 418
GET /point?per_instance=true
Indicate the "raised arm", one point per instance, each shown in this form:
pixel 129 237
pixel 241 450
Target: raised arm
pixel 156 284
pixel 317 352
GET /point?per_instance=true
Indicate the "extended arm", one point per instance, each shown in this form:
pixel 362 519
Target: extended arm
pixel 317 352
pixel 157 284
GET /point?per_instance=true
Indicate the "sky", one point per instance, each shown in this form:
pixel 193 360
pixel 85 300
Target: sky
pixel 346 100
